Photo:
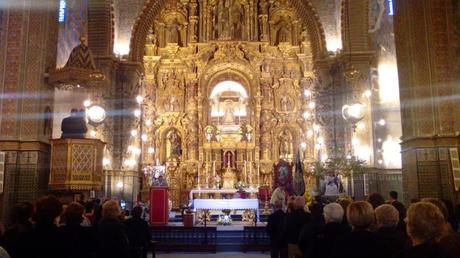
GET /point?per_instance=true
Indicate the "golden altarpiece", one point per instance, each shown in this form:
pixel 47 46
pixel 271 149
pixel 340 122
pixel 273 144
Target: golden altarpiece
pixel 224 86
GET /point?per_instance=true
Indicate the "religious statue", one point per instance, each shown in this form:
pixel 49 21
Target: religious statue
pixel 332 185
pixel 175 144
pixel 81 56
pixel 173 34
pixel 160 181
pixel 229 115
pixel 223 19
pixel 74 126
pixel 228 159
pixel 285 144
pixel 283 34
pixel 171 104
pixel 229 178
pixel 237 20
pixel 285 104
pixel 151 46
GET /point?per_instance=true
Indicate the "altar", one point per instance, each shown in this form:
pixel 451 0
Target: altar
pixel 227 204
pixel 200 192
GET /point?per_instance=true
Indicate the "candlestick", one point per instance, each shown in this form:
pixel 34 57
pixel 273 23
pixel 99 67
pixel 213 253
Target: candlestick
pixel 198 168
pixel 206 175
pixel 250 174
pixel 258 175
pixel 245 172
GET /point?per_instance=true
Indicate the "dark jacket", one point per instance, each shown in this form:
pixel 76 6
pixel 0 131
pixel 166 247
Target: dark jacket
pixel 138 232
pixel 392 241
pixel 451 244
pixel 276 224
pixel 79 242
pixel 318 240
pixel 402 215
pixel 425 250
pixel 73 127
pixel 14 237
pixel 45 240
pixel 295 222
pixel 358 244
pixel 112 238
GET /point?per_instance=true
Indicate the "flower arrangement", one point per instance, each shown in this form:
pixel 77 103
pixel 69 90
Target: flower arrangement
pixel 224 220
pixel 240 185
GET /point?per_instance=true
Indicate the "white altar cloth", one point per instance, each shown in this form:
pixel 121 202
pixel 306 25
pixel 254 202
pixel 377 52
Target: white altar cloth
pixel 227 204
pixel 219 191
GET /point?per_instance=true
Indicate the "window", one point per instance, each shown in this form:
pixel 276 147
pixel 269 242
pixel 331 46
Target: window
pixel 62 7
pixel 390 8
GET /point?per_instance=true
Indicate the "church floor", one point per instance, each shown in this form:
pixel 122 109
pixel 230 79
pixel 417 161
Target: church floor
pixel 212 255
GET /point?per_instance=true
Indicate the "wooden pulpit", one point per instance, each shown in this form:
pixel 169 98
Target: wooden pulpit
pixel 159 207
pixel 76 165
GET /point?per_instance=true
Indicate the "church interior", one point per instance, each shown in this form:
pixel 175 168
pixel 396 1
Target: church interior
pixel 205 99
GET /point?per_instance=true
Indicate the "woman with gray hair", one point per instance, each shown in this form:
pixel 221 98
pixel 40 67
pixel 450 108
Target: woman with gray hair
pixel 391 240
pixel 360 243
pixel 316 240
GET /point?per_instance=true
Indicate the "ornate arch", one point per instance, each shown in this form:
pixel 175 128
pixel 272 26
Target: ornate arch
pixel 153 8
pixel 235 71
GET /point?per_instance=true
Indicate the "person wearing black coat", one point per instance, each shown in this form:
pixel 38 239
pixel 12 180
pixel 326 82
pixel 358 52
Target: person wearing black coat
pixel 317 240
pixel 275 230
pixel 79 241
pixel 112 237
pixel 391 240
pixel 138 234
pixel 296 220
pixel 401 210
pixel 360 242
pixel 19 226
pixel 425 225
pixel 45 240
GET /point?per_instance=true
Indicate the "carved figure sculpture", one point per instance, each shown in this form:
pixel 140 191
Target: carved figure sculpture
pixel 81 56
pixel 237 19
pixel 223 19
pixel 175 144
pixel 229 115
pixel 284 33
pixel 285 104
pixel 173 33
pixel 285 144
pixel 171 104
pixel 151 46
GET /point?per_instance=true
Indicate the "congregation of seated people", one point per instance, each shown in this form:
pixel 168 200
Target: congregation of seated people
pixel 77 230
pixel 375 228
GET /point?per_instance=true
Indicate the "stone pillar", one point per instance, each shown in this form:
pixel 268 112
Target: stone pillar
pixel 426 35
pixel 28 46
pixel 125 90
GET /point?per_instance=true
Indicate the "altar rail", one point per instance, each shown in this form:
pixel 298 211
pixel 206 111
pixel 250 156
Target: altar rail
pixel 183 239
pixel 256 239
